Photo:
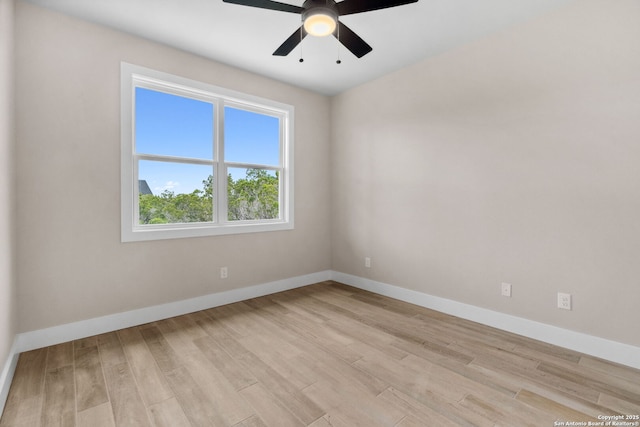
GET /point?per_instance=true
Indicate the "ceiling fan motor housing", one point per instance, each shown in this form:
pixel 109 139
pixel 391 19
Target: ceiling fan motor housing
pixel 320 17
pixel 314 5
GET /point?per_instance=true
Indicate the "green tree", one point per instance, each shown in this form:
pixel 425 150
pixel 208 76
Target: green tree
pixel 171 208
pixel 253 197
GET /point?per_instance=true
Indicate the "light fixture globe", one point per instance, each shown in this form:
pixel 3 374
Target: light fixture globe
pixel 320 21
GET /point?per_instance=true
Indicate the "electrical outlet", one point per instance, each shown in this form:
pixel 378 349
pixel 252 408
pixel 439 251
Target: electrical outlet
pixel 506 289
pixel 224 272
pixel 367 262
pixel 564 301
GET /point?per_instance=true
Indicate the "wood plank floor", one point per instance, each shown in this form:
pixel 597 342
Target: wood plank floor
pixel 322 355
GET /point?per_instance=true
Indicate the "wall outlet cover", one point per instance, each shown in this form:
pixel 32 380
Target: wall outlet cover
pixel 506 289
pixel 564 301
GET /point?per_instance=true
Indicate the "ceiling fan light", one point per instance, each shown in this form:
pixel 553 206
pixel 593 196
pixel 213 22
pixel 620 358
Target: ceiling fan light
pixel 320 24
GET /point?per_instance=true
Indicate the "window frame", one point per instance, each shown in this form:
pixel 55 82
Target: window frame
pixel 133 76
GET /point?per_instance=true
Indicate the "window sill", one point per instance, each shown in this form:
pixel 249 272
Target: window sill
pixel 180 231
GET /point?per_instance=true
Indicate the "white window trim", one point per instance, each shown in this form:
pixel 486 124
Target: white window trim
pixel 131 231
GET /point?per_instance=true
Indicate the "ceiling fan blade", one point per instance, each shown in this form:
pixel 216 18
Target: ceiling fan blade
pixel 267 4
pixel 290 43
pixel 348 7
pixel 351 40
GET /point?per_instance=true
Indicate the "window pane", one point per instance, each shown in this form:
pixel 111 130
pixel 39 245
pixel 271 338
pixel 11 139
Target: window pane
pixel 253 194
pixel 172 125
pixel 251 137
pixel 172 193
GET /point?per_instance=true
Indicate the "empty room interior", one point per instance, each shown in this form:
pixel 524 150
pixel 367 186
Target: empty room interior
pixel 428 217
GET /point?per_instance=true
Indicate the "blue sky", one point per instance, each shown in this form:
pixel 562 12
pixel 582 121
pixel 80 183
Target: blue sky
pixel 175 126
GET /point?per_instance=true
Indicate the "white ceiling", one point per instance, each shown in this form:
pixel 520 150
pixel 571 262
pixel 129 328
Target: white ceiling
pixel 246 37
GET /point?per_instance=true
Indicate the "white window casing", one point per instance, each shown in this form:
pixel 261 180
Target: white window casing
pixel 132 77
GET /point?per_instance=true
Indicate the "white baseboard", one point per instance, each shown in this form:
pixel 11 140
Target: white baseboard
pixel 7 374
pixel 613 351
pixel 85 328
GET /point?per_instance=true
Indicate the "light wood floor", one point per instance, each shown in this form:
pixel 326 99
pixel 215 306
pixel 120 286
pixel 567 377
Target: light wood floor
pixel 323 355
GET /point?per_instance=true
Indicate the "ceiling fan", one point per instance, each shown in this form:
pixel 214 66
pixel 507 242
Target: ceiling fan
pixel 320 18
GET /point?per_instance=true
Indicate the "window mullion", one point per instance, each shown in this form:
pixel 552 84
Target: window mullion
pixel 221 171
pixel 172 159
pixel 251 166
pixel 216 159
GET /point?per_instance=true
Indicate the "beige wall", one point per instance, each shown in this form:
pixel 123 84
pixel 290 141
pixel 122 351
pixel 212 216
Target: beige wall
pixel 513 159
pixel 71 263
pixel 8 304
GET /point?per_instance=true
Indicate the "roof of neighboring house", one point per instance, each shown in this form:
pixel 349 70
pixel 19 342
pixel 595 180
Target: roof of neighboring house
pixel 143 187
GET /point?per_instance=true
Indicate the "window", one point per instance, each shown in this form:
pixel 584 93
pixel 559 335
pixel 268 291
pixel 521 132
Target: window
pixel 198 160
